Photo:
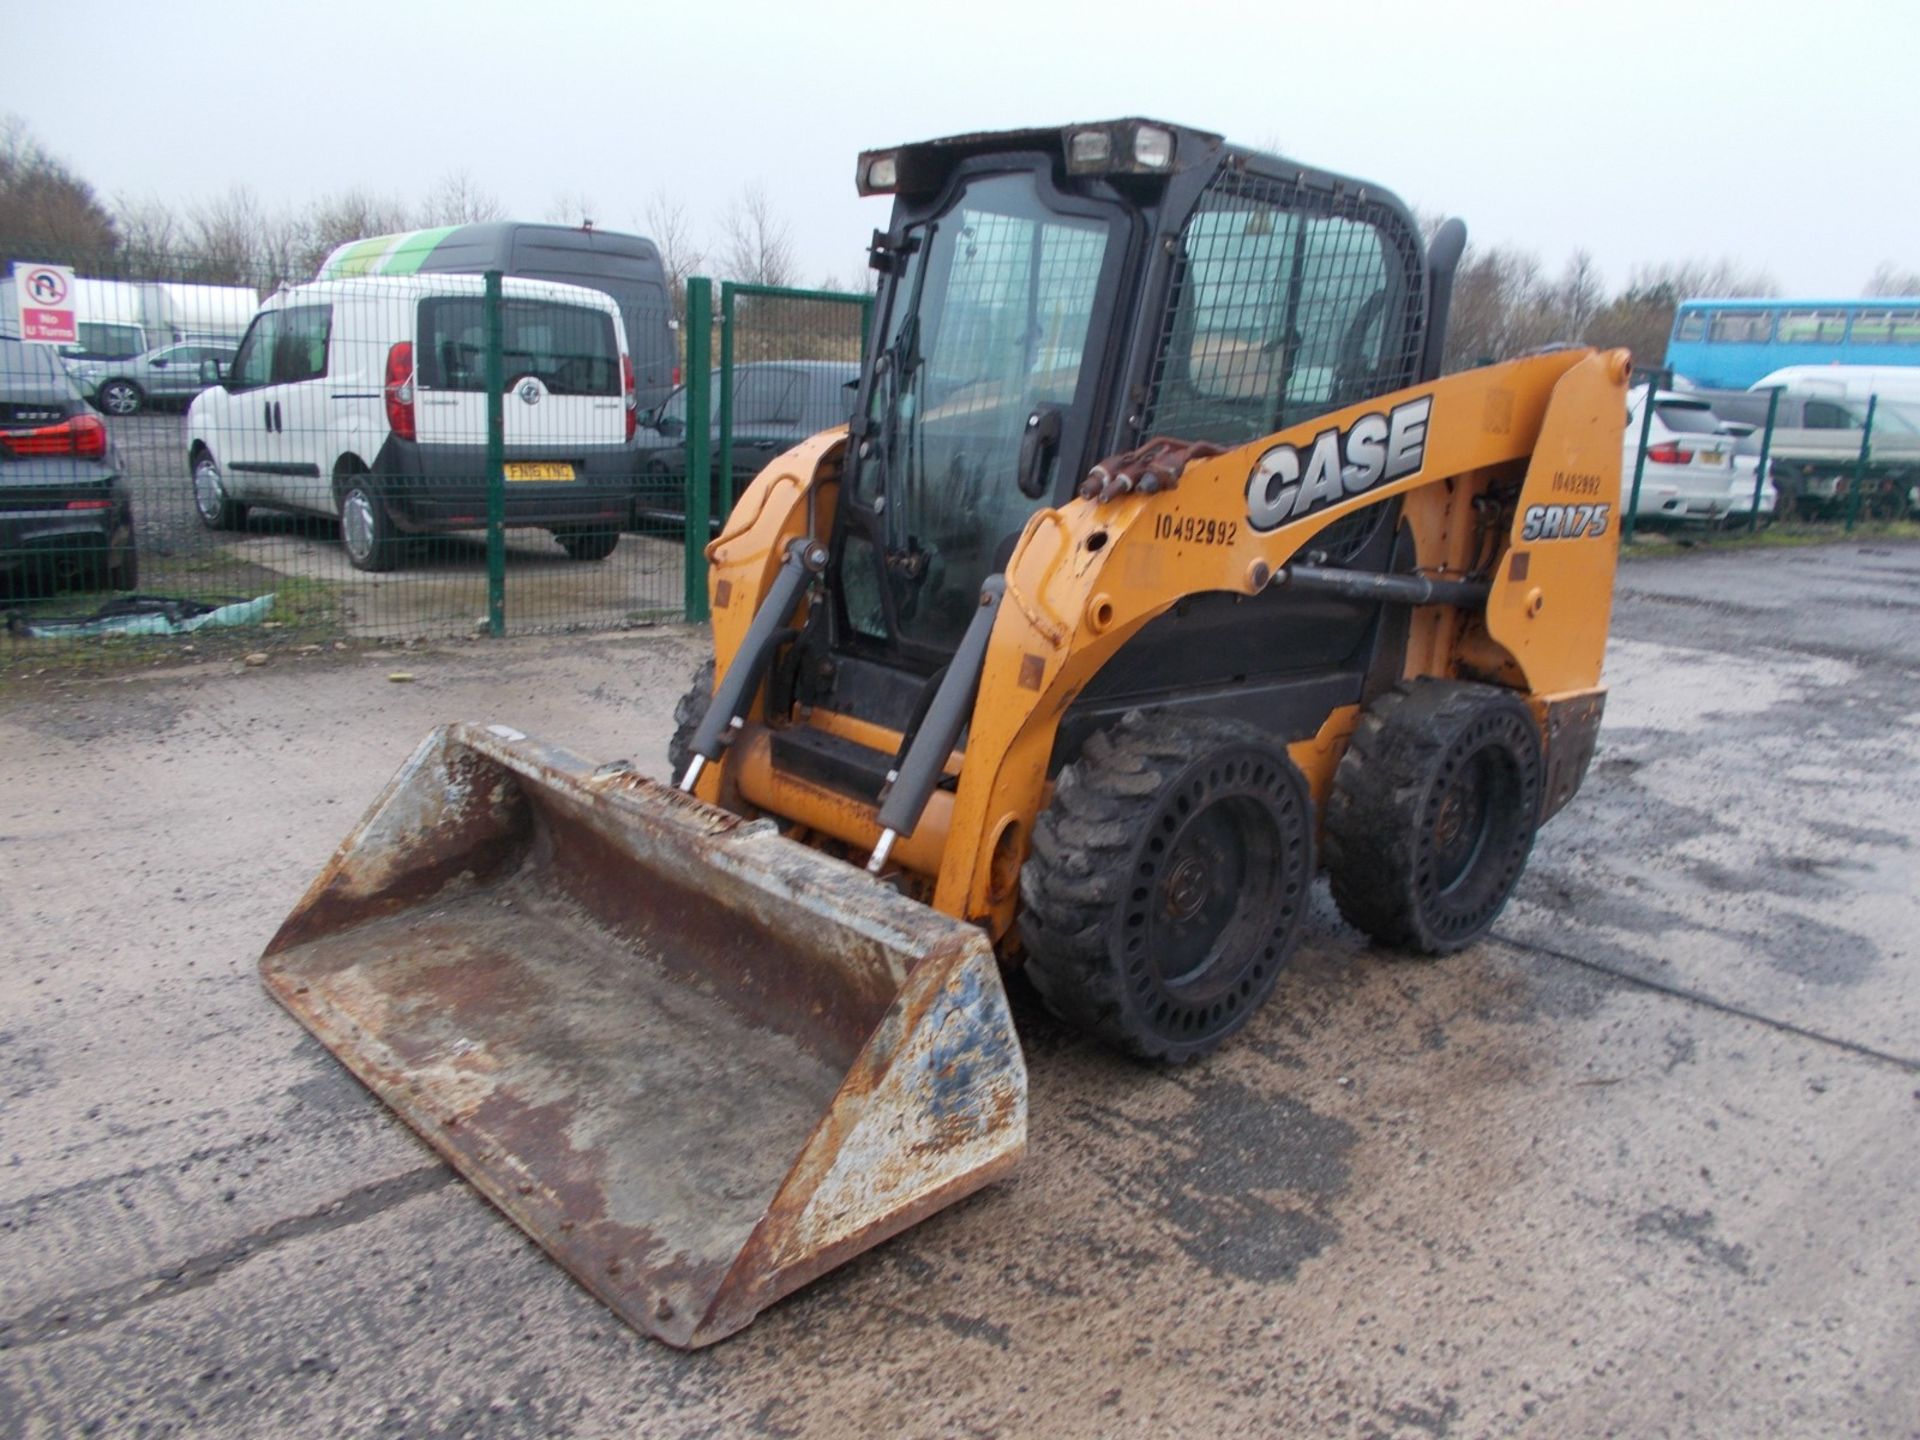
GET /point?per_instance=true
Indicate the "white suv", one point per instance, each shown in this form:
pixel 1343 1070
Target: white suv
pixel 1699 468
pixel 365 399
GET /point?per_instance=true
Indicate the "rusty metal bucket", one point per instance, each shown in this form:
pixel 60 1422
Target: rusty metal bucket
pixel 701 1064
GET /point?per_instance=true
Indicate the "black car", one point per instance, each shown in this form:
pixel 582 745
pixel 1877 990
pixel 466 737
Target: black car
pixel 776 405
pixel 64 512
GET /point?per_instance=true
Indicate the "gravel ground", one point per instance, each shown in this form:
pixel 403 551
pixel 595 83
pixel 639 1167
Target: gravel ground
pixel 1642 1164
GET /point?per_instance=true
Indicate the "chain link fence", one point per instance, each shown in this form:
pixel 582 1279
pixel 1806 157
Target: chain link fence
pixel 388 452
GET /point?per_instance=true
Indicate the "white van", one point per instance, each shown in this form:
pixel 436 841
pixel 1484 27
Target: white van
pixel 365 399
pixel 1899 383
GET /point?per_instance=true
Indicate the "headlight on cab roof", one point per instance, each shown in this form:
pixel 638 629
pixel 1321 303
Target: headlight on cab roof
pixel 1124 147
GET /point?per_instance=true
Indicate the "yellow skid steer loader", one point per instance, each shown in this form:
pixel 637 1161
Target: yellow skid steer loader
pixel 982 698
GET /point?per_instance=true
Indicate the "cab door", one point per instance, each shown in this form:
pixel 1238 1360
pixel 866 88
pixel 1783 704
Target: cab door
pixel 239 415
pixel 307 423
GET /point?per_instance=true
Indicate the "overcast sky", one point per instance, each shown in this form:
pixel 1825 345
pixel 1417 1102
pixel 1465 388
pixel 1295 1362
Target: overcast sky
pixel 1782 135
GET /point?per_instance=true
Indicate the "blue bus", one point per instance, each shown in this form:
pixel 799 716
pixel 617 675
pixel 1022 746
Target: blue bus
pixel 1729 344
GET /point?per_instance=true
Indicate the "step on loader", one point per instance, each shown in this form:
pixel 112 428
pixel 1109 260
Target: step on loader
pixel 1157 570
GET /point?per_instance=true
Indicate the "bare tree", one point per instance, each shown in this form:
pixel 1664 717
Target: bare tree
pixel 457 199
pixel 669 228
pixel 224 238
pixel 46 211
pixel 1498 308
pixel 1640 317
pixel 1703 279
pixel 573 207
pixel 862 280
pixel 348 215
pixel 1578 296
pixel 1889 279
pixel 151 238
pixel 756 245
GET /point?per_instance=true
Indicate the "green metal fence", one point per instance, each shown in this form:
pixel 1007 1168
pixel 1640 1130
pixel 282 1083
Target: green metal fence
pixel 1745 460
pixel 385 456
pixel 785 369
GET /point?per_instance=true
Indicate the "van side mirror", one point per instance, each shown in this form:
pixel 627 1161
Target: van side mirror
pixel 670 426
pixel 213 372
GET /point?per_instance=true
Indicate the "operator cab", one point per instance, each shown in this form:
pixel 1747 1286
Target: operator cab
pixel 1051 297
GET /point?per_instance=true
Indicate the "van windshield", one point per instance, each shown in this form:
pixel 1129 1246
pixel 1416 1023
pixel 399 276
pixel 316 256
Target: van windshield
pixel 569 348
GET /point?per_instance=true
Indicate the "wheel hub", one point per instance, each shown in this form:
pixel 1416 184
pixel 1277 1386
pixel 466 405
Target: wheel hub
pixel 206 490
pixel 1186 888
pixel 356 524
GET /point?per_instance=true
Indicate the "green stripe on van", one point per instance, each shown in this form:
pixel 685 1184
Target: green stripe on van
pixel 399 254
pixel 360 258
pixel 411 253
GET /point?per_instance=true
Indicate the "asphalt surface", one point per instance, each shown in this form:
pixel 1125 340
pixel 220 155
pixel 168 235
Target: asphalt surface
pixel 1642 1165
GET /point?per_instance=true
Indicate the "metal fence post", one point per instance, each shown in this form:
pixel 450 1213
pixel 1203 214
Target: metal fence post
pixel 1860 465
pixel 1654 378
pixel 1766 452
pixel 496 462
pixel 699 441
pixel 723 464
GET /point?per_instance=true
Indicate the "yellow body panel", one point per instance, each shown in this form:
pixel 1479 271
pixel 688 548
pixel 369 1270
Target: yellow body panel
pixel 1086 577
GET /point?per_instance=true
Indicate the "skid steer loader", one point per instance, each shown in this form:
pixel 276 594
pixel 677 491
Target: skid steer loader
pixel 1156 571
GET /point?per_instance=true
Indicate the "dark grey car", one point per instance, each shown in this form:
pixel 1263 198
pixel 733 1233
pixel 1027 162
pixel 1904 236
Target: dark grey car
pixel 776 405
pixel 64 512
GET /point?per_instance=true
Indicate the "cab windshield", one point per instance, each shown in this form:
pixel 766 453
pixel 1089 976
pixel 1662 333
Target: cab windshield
pixel 993 317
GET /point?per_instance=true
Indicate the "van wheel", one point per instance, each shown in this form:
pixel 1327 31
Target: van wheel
pixel 218 510
pixel 1167 883
pixel 587 544
pixel 1433 813
pixel 366 530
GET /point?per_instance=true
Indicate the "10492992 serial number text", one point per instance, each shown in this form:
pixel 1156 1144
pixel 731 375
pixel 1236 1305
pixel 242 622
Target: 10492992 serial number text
pixel 1195 530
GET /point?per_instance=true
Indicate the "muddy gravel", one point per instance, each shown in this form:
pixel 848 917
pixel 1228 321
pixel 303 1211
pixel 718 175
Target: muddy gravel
pixel 1643 1164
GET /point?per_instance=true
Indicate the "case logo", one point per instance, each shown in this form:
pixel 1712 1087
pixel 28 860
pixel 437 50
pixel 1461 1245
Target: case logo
pixel 1287 485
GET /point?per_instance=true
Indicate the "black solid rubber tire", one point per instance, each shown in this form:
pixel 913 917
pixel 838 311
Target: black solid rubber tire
pixel 1100 881
pixel 687 715
pixel 1415 751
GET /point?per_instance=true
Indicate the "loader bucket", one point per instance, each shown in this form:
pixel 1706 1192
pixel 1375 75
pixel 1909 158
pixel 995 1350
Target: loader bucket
pixel 700 1063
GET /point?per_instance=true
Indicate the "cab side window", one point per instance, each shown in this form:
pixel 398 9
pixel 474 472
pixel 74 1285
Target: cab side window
pixel 300 346
pixel 1825 415
pixel 1287 303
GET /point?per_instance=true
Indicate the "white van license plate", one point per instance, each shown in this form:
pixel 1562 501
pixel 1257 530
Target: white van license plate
pixel 539 470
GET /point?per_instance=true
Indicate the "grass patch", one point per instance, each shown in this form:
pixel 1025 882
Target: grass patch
pixel 1649 544
pixel 305 612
